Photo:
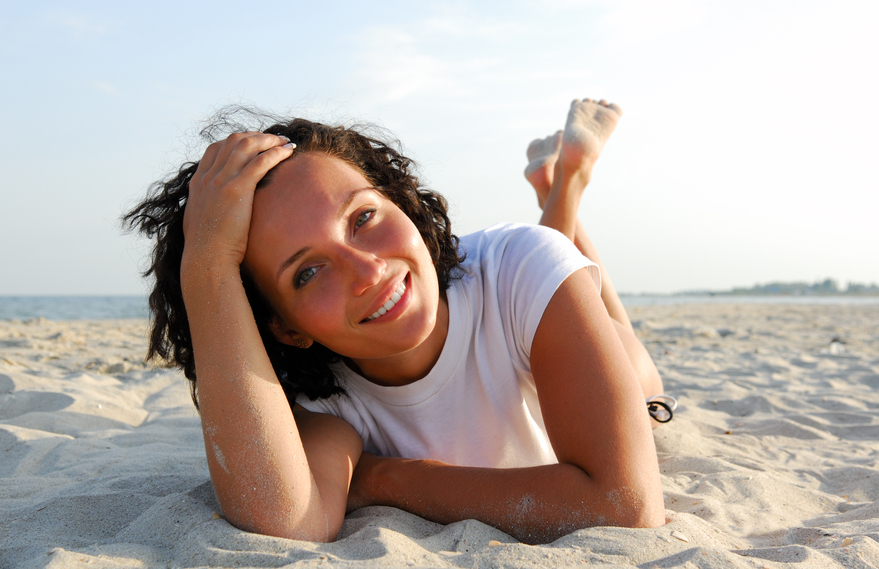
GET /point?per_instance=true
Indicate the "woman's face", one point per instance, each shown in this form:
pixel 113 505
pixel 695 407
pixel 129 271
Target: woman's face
pixel 329 251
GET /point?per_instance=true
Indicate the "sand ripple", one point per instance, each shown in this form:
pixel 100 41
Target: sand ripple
pixel 772 459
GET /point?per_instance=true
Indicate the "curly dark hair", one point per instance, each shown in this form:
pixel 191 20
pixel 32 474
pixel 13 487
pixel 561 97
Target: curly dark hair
pixel 160 216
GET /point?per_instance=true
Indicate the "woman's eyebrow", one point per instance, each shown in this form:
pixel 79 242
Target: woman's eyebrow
pixel 350 199
pixel 292 259
pixel 342 208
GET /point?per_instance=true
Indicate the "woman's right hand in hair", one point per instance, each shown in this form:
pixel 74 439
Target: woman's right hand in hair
pixel 218 210
pixel 270 474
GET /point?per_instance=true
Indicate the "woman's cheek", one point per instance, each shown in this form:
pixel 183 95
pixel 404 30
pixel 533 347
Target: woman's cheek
pixel 326 307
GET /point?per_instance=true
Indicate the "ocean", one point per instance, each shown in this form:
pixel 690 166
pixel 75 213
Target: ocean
pixel 72 307
pixel 111 307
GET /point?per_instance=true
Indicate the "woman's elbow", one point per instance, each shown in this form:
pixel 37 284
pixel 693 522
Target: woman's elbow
pixel 301 530
pixel 646 519
pixel 638 510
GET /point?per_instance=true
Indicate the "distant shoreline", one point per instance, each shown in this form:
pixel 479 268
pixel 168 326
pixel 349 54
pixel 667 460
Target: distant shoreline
pixel 760 294
pixel 107 307
pixel 825 288
pixel 645 299
pixel 73 307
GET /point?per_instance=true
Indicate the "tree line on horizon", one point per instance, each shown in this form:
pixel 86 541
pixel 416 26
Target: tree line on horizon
pixel 825 287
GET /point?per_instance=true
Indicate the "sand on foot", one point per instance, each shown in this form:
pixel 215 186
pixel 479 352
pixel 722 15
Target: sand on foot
pixel 575 150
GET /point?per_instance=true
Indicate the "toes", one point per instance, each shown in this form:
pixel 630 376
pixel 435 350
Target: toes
pixel 602 102
pixel 541 147
pixel 533 148
pixel 616 108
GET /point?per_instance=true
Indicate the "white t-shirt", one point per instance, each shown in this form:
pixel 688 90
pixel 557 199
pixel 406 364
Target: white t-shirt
pixel 478 405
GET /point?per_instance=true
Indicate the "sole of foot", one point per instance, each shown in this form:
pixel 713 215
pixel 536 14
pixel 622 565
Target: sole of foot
pixel 589 126
pixel 542 155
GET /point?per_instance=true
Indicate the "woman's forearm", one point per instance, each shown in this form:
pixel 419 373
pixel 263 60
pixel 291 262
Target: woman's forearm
pixel 535 505
pixel 256 457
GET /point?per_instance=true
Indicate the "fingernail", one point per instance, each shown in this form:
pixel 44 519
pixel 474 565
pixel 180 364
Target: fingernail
pixel 290 145
pixel 282 136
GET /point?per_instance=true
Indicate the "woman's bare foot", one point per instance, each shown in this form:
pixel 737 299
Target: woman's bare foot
pixel 589 125
pixel 542 155
pixel 587 129
pixel 559 184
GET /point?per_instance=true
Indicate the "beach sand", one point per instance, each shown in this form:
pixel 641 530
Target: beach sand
pixel 772 459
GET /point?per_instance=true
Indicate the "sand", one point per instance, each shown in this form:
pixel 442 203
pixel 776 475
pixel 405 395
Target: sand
pixel 772 459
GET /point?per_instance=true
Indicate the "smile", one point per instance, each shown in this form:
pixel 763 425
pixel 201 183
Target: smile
pixel 395 298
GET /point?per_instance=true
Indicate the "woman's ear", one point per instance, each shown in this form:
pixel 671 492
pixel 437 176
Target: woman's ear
pixel 287 335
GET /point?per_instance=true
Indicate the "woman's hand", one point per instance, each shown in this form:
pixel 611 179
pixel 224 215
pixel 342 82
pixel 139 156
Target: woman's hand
pixel 220 203
pixel 265 478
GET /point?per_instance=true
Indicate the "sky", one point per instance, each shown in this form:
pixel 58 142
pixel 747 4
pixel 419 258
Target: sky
pixel 746 153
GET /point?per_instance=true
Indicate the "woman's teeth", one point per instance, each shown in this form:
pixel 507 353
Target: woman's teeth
pixel 395 298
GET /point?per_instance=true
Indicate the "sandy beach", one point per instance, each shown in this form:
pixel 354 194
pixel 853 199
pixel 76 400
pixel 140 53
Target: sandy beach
pixel 772 459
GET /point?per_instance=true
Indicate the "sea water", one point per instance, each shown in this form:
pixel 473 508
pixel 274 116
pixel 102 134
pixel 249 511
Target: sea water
pixel 72 307
pixel 98 307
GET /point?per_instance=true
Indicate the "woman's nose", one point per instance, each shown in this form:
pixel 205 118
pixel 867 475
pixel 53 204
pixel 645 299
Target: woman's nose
pixel 367 270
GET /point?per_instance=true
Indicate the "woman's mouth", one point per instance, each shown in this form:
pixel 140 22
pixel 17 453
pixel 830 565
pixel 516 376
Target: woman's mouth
pixel 391 302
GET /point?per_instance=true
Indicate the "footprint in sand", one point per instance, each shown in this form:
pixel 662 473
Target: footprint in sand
pixel 6 384
pixel 19 403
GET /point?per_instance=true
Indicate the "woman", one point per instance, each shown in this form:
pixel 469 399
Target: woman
pixel 488 379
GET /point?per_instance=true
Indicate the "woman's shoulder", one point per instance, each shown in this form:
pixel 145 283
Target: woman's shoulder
pixel 504 237
pixel 507 230
pixel 519 256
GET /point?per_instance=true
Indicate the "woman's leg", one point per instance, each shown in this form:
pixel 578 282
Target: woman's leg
pixel 559 168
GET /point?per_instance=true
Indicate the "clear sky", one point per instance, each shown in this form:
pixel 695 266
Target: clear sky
pixel 747 152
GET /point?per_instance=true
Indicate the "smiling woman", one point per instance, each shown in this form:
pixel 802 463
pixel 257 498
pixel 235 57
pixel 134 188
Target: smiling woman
pixel 352 249
pixel 161 215
pixel 350 351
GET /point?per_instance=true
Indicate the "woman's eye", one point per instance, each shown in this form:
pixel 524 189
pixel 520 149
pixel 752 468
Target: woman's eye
pixel 305 276
pixel 364 217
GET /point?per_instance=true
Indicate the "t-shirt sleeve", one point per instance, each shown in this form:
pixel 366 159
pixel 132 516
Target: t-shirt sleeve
pixel 343 406
pixel 534 262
